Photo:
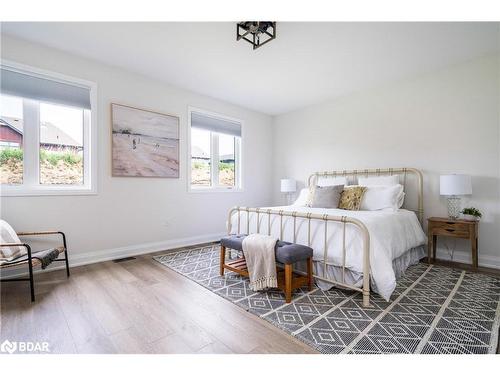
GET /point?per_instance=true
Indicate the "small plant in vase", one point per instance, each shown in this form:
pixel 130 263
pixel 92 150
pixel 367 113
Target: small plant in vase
pixel 471 213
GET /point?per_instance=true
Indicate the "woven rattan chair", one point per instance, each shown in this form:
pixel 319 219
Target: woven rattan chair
pixel 34 262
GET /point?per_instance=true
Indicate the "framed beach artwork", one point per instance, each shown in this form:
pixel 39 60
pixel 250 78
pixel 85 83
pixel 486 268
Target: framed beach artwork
pixel 144 143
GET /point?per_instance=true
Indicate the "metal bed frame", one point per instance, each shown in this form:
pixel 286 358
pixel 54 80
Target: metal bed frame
pixel 342 220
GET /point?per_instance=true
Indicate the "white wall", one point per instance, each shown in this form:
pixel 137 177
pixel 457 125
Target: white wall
pixel 444 122
pixel 138 214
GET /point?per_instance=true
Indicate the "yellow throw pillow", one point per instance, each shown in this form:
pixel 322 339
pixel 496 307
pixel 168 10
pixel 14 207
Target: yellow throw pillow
pixel 351 198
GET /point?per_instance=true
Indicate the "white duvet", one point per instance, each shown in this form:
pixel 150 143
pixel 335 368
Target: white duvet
pixel 392 233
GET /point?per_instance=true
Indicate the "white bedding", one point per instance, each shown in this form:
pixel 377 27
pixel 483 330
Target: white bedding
pixel 392 233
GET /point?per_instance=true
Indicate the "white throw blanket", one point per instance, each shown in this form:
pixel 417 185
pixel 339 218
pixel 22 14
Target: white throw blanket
pixel 261 263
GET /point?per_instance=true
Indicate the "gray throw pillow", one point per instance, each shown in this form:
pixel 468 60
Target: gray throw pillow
pixel 326 196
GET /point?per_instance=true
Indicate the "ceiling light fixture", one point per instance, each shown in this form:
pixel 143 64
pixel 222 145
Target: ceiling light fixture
pixel 257 33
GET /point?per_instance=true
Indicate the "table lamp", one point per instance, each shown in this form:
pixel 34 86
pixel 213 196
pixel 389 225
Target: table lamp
pixel 288 186
pixel 453 186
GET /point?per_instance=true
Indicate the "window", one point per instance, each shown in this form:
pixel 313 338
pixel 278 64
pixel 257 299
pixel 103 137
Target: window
pixel 227 147
pixel 11 140
pixel 201 160
pixel 46 137
pixel 215 152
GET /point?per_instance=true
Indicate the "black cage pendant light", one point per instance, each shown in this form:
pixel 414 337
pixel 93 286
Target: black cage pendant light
pixel 257 33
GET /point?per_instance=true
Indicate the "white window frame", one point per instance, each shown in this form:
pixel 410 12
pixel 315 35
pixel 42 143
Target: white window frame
pixel 31 183
pixel 214 157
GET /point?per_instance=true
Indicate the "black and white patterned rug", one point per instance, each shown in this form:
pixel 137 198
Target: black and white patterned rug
pixel 433 309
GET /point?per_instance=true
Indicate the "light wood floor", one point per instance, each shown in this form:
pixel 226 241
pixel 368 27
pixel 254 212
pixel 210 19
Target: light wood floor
pixel 138 306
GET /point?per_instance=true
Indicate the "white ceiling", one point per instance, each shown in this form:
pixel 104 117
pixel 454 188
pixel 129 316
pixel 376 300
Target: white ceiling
pixel 307 63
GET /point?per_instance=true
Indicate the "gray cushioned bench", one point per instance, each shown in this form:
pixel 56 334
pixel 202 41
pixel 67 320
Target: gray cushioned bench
pixel 287 253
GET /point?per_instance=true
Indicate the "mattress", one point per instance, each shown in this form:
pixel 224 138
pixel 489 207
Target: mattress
pixel 392 235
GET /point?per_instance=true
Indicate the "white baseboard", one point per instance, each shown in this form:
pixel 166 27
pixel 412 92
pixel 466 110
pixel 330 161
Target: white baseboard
pixel 119 252
pixel 490 261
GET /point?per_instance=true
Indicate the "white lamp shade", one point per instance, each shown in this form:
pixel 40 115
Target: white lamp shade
pixel 455 184
pixel 288 185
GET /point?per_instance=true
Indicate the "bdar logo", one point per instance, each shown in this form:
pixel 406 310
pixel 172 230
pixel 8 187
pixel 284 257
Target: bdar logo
pixel 8 347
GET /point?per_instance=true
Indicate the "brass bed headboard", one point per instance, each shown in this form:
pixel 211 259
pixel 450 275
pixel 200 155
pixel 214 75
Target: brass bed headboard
pixel 404 172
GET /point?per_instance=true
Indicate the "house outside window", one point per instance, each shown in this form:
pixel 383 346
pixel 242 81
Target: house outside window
pixel 47 141
pixel 215 152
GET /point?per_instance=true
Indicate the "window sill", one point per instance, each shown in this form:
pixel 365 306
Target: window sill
pixel 213 190
pixel 15 191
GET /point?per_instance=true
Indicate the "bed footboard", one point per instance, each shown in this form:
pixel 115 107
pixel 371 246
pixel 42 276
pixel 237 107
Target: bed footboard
pixel 342 220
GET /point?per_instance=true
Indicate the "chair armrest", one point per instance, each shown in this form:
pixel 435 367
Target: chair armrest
pixel 38 233
pixel 46 233
pixel 13 244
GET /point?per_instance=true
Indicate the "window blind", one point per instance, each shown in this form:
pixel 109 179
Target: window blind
pixel 215 124
pixel 43 89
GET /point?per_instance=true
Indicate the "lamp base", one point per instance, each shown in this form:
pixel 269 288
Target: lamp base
pixel 289 198
pixel 454 207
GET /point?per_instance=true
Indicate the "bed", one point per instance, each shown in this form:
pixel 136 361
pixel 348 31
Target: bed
pixel 360 250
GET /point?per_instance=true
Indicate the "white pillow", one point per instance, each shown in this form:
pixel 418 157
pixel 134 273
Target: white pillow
pixel 380 197
pixel 330 181
pixel 401 199
pixel 302 199
pixel 8 235
pixel 378 180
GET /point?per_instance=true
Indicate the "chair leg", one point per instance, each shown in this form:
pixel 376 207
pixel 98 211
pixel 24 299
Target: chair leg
pixel 67 262
pixel 65 253
pixel 222 259
pixel 310 273
pixel 32 282
pixel 288 283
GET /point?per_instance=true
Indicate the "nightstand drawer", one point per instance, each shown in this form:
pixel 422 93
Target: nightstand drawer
pixel 458 227
pixel 450 231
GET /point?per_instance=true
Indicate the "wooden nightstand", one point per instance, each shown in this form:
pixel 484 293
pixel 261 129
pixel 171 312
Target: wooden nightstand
pixel 440 226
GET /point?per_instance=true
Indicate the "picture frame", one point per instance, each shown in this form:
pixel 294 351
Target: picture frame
pixel 144 143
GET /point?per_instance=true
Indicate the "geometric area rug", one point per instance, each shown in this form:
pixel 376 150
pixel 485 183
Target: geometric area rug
pixel 434 310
